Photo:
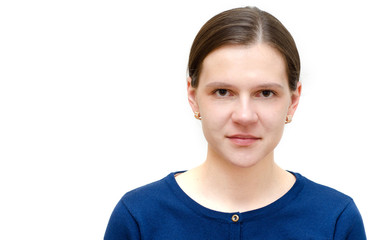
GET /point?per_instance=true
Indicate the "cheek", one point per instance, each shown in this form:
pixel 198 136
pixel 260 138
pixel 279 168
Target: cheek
pixel 214 113
pixel 273 119
pixel 214 120
pixel 211 130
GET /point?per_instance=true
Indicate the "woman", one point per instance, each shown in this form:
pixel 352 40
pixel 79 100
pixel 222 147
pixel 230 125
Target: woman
pixel 244 86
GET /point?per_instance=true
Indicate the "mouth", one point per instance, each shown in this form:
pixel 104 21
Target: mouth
pixel 243 140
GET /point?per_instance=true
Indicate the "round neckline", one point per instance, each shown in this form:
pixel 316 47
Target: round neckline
pixel 265 211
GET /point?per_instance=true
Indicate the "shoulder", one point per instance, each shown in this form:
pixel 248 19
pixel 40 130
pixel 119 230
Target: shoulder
pixel 328 210
pixel 328 203
pixel 133 212
pixel 321 193
pixel 317 201
pixel 151 190
pixel 150 197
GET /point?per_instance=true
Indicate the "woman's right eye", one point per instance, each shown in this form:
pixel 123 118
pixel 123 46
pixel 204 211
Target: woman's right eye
pixel 222 92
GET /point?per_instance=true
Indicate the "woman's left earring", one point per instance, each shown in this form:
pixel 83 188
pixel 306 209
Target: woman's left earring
pixel 288 119
pixel 197 115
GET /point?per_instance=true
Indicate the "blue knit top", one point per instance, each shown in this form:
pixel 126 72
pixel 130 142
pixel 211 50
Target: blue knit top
pixel 161 210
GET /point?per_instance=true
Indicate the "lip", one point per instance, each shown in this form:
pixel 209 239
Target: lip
pixel 243 140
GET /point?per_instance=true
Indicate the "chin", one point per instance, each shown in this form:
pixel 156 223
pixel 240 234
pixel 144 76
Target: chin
pixel 243 161
pixel 242 157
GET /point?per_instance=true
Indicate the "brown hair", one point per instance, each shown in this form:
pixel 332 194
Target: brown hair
pixel 245 26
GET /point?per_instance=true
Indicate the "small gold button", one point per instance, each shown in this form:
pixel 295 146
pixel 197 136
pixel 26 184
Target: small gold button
pixel 235 218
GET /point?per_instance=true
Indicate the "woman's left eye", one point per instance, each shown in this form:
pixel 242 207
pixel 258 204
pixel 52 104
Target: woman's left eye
pixel 266 93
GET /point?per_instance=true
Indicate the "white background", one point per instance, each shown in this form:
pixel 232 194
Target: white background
pixel 93 103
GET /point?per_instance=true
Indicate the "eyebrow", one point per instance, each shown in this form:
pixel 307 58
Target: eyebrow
pixel 227 85
pixel 270 85
pixel 219 84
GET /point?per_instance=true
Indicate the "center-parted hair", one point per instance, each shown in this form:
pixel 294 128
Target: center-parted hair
pixel 244 26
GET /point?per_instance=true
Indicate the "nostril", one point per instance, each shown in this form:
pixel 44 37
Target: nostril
pixel 245 116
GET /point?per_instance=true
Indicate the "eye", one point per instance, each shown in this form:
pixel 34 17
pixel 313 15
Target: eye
pixel 266 93
pixel 222 92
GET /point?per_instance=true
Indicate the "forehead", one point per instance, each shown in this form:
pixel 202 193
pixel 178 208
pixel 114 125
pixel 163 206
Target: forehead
pixel 258 63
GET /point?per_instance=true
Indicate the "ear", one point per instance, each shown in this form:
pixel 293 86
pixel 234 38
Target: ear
pixel 295 98
pixel 191 94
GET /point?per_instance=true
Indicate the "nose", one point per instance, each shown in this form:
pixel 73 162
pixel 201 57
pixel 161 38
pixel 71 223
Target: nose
pixel 244 112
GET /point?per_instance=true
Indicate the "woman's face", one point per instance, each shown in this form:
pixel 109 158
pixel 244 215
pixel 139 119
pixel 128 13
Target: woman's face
pixel 243 98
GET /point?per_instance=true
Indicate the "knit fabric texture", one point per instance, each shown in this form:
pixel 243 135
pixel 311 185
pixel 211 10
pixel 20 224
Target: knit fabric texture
pixel 162 211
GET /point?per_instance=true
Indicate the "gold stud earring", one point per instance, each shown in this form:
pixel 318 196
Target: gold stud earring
pixel 197 115
pixel 288 119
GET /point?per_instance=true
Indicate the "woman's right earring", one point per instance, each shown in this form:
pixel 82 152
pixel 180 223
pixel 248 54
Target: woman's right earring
pixel 197 115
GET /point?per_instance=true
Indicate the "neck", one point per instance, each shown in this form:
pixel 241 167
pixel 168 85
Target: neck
pixel 221 172
pixel 224 186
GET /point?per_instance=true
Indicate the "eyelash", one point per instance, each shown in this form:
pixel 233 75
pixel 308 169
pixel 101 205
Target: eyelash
pixel 217 92
pixel 273 93
pixel 259 93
